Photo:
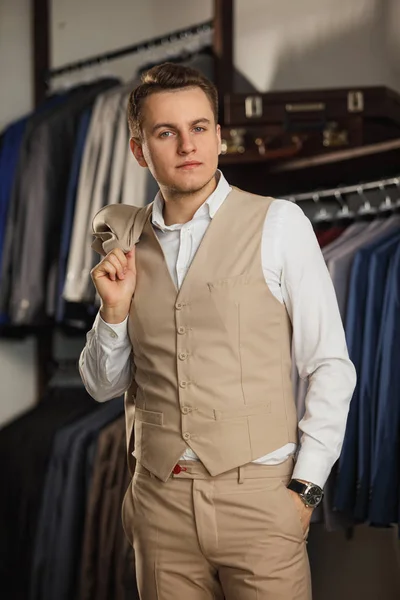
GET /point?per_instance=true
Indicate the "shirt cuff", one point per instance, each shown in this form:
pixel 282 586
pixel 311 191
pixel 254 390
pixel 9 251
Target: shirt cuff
pixel 311 470
pixel 110 333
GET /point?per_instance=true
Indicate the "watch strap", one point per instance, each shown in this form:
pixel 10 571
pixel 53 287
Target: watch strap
pixel 297 486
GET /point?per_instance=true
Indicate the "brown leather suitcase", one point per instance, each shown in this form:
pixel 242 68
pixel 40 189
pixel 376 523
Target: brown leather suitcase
pixel 279 125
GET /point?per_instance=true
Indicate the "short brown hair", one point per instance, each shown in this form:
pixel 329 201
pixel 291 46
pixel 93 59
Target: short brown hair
pixel 168 76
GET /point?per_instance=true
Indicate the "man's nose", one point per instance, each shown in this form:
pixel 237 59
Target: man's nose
pixel 186 144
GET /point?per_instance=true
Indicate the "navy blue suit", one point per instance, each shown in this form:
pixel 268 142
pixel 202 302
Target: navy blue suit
pixel 70 208
pixel 9 153
pixel 378 268
pixel 384 506
pixel 348 482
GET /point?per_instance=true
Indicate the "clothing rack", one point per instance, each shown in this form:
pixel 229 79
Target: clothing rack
pixel 348 189
pixel 172 37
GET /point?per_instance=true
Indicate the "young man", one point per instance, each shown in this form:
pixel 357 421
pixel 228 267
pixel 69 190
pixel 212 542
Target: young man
pixel 196 326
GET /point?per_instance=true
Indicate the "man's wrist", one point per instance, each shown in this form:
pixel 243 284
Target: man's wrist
pixel 113 314
pixel 310 493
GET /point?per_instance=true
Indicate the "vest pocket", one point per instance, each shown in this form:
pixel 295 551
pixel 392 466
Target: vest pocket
pixel 228 283
pixel 245 411
pixel 149 416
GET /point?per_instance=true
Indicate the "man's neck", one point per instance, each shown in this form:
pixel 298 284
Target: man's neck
pixel 181 208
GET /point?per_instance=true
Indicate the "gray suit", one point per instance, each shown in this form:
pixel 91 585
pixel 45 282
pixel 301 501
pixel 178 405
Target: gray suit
pixel 109 174
pixel 340 263
pixel 85 192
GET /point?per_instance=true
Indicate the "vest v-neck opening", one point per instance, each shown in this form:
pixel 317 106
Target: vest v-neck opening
pixel 200 251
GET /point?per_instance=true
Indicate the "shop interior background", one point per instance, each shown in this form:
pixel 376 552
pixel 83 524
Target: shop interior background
pixel 278 45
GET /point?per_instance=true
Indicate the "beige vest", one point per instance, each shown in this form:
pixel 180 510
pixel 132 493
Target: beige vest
pixel 212 360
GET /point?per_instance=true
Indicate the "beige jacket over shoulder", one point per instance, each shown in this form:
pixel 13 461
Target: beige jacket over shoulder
pixel 212 360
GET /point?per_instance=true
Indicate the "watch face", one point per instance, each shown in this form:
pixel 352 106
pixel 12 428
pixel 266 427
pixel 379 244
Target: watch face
pixel 313 496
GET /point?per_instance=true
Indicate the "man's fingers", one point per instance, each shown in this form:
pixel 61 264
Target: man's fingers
pixel 120 255
pixel 116 263
pixel 108 267
pixel 114 260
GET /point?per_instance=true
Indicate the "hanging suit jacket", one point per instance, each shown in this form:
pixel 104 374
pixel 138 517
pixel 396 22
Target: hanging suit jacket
pixel 378 262
pixel 346 486
pixel 16 207
pixel 104 547
pixel 70 208
pixel 41 199
pixel 25 450
pixel 56 566
pixel 385 494
pixel 340 264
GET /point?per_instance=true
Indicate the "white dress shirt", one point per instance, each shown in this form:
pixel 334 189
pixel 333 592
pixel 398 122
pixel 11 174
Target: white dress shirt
pixel 296 274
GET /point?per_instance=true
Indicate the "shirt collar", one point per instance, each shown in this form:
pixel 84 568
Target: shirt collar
pixel 210 206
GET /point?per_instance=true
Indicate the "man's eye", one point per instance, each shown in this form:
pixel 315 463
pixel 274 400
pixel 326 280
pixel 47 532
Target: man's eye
pixel 165 134
pixel 199 129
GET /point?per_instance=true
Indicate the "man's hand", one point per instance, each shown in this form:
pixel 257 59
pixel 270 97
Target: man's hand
pixel 115 281
pixel 304 512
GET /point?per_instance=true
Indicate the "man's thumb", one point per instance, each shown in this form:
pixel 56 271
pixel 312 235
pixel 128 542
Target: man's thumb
pixel 131 258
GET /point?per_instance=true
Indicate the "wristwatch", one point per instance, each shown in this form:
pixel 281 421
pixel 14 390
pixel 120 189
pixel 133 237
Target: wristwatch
pixel 310 493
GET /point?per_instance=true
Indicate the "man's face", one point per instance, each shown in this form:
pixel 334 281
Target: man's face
pixel 180 139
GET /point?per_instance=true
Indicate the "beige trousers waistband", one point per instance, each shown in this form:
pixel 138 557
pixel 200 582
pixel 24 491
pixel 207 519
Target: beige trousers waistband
pixel 196 470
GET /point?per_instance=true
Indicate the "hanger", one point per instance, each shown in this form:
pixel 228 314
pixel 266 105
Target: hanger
pixel 386 206
pixel 322 216
pixel 344 213
pixel 397 203
pixel 366 211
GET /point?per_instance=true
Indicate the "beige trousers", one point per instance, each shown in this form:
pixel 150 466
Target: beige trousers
pixel 236 536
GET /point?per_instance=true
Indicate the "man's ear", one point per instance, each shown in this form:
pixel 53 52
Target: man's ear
pixel 137 151
pixel 219 139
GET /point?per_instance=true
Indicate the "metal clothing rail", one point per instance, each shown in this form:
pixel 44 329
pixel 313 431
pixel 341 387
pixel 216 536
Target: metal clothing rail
pixel 339 191
pixel 172 37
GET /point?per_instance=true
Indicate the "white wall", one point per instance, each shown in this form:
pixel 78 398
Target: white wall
pixel 16 94
pixel 83 29
pixel 283 45
pixel 17 368
pixel 279 45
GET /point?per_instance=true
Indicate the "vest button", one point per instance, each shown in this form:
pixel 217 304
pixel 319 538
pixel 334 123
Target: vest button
pixel 183 355
pixel 186 436
pixel 186 410
pixel 181 330
pixel 179 306
pixel 183 384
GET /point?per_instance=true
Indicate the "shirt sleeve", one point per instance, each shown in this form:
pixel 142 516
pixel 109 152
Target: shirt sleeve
pixel 105 363
pixel 319 344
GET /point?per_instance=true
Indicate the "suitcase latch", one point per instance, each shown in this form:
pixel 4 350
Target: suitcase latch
pixel 235 144
pixel 355 102
pixel 253 107
pixel 334 137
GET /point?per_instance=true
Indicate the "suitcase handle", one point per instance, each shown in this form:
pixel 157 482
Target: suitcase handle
pixel 285 152
pixel 297 116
